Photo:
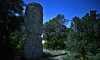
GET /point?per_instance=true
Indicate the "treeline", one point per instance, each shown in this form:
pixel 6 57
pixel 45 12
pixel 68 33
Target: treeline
pixel 82 37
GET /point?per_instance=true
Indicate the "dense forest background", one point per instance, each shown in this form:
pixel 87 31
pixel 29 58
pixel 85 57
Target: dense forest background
pixel 83 36
pixel 10 26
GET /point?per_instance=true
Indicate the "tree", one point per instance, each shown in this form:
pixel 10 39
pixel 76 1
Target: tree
pixel 9 22
pixel 54 30
pixel 75 24
pixel 53 25
pixel 89 28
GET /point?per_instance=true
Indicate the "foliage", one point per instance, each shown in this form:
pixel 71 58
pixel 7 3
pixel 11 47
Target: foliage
pixel 55 30
pixel 17 40
pixel 9 23
pixel 75 42
pixel 91 56
pixel 85 37
pixel 54 44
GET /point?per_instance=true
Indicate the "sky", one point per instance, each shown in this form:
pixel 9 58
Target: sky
pixel 68 8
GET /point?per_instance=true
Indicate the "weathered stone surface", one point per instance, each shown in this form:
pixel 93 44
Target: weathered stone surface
pixel 34 26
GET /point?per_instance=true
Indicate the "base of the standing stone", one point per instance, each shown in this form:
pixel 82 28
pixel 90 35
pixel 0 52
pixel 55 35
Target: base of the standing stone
pixel 35 58
pixel 33 47
pixel 34 55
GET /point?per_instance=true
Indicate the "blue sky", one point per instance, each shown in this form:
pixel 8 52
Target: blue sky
pixel 68 8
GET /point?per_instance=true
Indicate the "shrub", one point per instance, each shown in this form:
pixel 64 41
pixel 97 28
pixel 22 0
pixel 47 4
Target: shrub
pixel 54 44
pixel 91 56
pixel 76 42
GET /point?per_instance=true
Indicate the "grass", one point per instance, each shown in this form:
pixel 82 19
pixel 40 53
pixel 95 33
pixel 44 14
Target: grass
pixel 68 56
pixel 52 55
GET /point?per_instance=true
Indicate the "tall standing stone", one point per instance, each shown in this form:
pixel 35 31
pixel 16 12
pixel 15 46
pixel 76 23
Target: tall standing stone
pixel 34 27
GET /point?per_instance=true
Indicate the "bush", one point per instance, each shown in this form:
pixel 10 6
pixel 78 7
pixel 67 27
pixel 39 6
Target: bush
pixel 91 56
pixel 76 42
pixel 54 44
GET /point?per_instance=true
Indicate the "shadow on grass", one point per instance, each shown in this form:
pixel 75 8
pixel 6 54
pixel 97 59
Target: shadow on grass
pixel 50 56
pixel 45 56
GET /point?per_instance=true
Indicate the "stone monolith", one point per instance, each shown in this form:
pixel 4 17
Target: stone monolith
pixel 34 26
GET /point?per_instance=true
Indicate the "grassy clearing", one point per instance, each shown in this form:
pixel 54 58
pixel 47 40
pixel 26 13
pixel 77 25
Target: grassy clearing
pixel 62 54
